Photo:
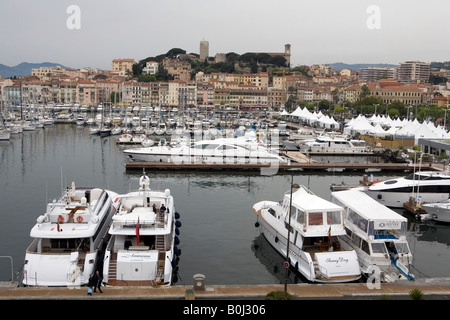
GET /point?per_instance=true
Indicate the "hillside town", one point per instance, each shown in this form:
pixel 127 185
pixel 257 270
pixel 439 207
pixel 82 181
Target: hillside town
pixel 254 81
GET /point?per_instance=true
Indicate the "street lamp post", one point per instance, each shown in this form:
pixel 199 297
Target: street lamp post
pixel 289 233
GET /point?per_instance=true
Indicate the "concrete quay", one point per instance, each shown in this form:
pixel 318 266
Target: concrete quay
pixel 432 289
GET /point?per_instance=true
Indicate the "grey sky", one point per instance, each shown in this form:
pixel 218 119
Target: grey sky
pixel 319 31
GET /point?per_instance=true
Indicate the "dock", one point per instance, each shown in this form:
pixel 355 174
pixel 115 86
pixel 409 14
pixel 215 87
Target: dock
pixel 432 289
pixel 280 167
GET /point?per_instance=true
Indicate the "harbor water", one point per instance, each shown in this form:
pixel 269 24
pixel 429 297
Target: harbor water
pixel 218 237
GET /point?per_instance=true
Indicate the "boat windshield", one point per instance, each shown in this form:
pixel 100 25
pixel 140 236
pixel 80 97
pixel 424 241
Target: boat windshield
pixel 317 218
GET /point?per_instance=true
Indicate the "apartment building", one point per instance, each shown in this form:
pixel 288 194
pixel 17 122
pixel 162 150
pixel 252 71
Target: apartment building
pixel 376 73
pixel 105 88
pixel 122 67
pixel 275 98
pixel 46 73
pixel 205 94
pixel 87 93
pixel 414 71
pixel 36 92
pixel 179 69
pixel 151 67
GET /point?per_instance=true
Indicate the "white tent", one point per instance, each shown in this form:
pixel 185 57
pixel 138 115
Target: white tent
pixel 378 131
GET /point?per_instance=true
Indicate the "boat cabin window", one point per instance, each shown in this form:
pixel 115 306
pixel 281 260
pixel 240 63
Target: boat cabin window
pixel 334 217
pixel 300 217
pixel 365 246
pixel 358 220
pixel 68 244
pixel 401 247
pixel 379 248
pixel 315 218
pixel 272 212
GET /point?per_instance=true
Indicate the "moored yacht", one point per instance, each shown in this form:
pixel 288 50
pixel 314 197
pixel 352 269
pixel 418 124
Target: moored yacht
pixel 69 238
pixel 241 150
pixel 377 233
pixel 142 249
pixel 430 186
pixel 312 245
pixel 334 144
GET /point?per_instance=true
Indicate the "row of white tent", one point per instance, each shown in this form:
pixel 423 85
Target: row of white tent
pixel 374 125
pixel 311 118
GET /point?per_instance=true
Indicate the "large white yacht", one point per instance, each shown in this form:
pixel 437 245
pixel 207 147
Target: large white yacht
pixel 142 249
pixel 378 234
pixel 240 150
pixel 428 186
pixel 69 238
pixel 334 144
pixel 315 227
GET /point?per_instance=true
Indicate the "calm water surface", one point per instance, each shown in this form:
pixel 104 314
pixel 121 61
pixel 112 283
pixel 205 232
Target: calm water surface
pixel 218 237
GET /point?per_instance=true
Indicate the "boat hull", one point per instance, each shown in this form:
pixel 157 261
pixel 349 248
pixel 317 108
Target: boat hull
pixel 438 211
pixel 397 199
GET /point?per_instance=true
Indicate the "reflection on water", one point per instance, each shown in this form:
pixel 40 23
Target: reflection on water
pixel 273 261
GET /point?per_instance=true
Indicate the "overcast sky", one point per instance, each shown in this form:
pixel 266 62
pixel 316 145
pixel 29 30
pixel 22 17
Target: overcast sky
pixel 319 31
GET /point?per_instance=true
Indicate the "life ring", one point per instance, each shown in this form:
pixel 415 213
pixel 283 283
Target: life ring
pixel 60 219
pixel 79 219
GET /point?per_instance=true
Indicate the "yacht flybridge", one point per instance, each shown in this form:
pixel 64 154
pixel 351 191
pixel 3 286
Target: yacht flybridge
pixel 316 226
pixel 143 245
pixel 69 238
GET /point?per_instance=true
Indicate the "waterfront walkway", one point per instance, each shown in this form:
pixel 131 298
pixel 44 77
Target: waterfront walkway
pixel 432 288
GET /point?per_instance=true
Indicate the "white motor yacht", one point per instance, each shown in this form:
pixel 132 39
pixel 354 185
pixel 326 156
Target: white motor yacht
pixel 143 242
pixel 430 186
pixel 312 244
pixel 69 238
pixel 377 233
pixel 333 144
pixel 241 150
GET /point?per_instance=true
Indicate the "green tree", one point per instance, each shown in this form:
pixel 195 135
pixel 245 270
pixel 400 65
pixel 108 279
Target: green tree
pixel 365 92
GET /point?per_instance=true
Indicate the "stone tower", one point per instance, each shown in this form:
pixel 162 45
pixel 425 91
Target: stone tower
pixel 204 50
pixel 287 54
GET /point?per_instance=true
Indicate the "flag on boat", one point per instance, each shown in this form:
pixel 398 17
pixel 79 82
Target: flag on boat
pixel 137 232
pixel 329 234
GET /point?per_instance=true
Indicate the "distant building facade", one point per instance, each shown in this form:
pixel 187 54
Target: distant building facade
pixel 376 73
pixel 122 66
pixel 414 71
